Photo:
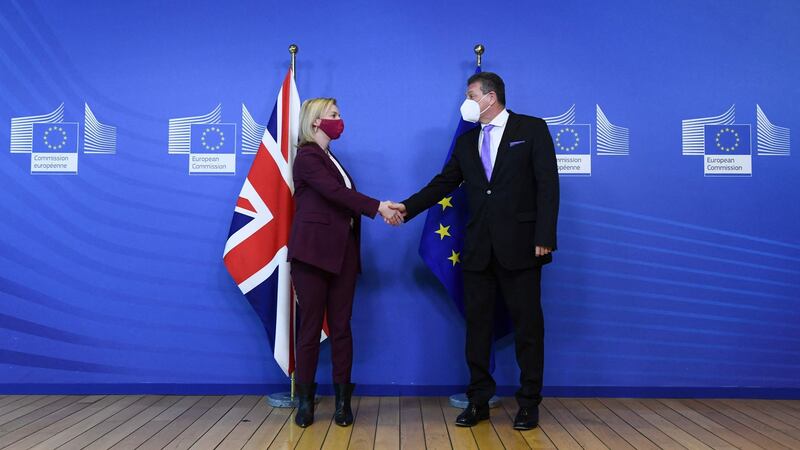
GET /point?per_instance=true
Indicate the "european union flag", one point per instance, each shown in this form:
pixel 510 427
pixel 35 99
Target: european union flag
pixel 572 139
pixel 442 239
pixel 727 140
pixel 55 138
pixel 442 242
pixel 213 138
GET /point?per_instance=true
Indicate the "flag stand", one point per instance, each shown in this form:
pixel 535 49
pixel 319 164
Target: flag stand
pixel 460 400
pixel 282 400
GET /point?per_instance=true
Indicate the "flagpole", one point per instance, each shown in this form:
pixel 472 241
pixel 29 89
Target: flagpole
pixel 280 399
pixel 460 400
pixel 293 51
pixel 479 53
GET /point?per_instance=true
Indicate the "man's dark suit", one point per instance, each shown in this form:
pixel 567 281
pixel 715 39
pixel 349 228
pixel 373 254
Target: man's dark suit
pixel 509 215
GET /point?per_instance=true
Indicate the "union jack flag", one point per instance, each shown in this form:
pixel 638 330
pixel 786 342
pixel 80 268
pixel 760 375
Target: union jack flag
pixel 255 253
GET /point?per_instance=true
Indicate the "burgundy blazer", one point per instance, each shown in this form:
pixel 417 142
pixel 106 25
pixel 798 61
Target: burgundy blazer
pixel 324 207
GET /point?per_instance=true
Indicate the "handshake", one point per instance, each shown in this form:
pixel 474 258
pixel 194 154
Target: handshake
pixel 393 213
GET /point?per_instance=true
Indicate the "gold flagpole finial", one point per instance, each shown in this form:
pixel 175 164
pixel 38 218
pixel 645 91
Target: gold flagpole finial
pixel 293 51
pixel 479 52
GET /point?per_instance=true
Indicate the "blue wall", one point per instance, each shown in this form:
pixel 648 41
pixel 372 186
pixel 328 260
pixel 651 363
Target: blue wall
pixel 664 277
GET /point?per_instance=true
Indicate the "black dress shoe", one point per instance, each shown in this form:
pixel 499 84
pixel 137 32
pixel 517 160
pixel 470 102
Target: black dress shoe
pixel 527 418
pixel 472 414
pixel 304 416
pixel 343 416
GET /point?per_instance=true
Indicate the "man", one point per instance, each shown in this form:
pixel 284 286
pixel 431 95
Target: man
pixel 508 168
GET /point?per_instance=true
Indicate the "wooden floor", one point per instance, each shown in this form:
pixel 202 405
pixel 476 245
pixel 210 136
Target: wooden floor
pixel 247 422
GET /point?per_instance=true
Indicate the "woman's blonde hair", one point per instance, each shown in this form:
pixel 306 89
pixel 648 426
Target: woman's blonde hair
pixel 312 110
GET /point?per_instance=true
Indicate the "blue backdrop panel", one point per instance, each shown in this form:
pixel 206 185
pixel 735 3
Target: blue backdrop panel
pixel 668 274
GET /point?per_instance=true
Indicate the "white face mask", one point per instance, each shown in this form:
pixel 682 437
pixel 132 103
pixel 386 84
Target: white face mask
pixel 471 110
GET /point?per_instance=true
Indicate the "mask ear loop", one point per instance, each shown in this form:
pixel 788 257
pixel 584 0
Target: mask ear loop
pixel 479 103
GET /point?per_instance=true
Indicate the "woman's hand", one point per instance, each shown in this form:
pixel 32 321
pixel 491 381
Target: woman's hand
pixel 389 212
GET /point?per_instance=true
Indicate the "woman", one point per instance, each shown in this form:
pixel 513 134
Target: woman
pixel 325 255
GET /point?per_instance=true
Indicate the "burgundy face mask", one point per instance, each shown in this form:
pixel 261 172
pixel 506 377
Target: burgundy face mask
pixel 332 127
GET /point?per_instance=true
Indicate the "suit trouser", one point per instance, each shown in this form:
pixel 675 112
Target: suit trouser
pixel 319 291
pixel 521 291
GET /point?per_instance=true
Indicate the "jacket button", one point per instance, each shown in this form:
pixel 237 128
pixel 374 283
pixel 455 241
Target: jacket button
pixel 488 192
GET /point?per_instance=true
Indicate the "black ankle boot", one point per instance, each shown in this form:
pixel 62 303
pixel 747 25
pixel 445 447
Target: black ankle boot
pixel 344 414
pixel 305 404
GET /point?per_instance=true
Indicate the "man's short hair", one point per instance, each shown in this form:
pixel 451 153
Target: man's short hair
pixel 490 82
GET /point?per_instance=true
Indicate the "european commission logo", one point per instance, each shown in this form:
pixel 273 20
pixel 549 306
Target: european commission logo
pixel 726 146
pixel 54 148
pixel 210 144
pixel 573 141
pixel 98 138
pixel 252 133
pixel 53 144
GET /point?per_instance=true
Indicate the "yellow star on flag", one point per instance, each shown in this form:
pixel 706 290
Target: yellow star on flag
pixel 445 202
pixel 455 257
pixel 443 231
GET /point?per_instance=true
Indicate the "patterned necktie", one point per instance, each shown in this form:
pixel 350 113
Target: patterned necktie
pixel 486 150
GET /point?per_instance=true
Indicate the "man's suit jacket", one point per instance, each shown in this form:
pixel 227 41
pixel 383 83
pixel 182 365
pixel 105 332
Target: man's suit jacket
pixel 324 207
pixel 514 211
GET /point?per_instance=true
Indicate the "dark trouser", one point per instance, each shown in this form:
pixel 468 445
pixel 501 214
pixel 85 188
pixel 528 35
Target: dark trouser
pixel 521 291
pixel 318 291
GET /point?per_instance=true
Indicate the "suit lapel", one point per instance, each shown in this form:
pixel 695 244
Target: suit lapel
pixel 510 129
pixel 328 163
pixel 347 174
pixel 474 152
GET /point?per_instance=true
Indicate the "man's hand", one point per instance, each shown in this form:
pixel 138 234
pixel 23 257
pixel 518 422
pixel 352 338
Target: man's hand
pixel 399 207
pixel 542 251
pixel 390 213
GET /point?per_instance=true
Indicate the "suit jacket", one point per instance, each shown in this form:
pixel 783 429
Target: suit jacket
pixel 514 211
pixel 324 207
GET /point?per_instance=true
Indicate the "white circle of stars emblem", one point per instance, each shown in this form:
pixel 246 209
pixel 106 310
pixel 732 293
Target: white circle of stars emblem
pixel 52 135
pixel 220 136
pixel 722 134
pixel 567 148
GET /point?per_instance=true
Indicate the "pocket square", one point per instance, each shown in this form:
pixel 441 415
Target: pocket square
pixel 511 144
